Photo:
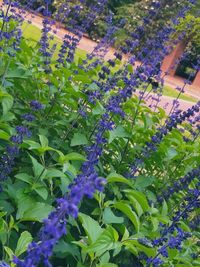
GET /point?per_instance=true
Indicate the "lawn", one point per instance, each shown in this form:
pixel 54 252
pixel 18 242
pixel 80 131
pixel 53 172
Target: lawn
pixel 33 34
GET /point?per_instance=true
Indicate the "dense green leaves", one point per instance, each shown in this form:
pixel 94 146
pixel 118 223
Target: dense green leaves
pixel 117 226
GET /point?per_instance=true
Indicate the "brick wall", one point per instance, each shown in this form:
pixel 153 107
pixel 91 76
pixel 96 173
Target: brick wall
pixel 171 61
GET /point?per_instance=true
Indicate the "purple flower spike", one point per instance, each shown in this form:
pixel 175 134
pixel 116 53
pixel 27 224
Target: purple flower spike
pixel 28 117
pixel 36 105
pixel 4 264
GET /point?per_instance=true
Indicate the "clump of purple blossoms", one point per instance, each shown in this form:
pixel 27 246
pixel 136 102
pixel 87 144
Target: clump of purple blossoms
pixel 85 184
pixel 36 105
pixel 7 160
pixel 3 264
pixel 180 185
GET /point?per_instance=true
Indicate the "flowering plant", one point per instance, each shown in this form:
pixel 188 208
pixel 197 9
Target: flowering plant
pixel 90 174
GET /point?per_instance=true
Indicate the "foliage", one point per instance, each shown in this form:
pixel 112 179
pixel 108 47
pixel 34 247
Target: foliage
pixel 118 226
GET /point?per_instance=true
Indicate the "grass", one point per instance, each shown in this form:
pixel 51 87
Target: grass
pixel 33 34
pixel 168 91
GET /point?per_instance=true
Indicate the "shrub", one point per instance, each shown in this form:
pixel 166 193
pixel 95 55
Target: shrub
pixel 90 175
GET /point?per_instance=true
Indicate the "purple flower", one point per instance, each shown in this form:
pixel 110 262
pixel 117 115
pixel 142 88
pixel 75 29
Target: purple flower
pixel 23 131
pixel 36 105
pixel 4 264
pixel 156 262
pixel 28 117
pixel 17 139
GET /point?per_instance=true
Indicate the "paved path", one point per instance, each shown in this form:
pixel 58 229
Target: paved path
pixel 88 45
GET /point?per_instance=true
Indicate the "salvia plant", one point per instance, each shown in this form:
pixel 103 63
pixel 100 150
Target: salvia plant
pixel 93 172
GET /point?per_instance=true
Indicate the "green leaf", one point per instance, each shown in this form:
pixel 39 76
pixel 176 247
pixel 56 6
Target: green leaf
pixel 66 248
pixel 37 212
pixel 134 202
pixel 93 87
pixel 9 252
pixel 185 261
pixel 52 173
pixel 4 135
pixel 44 141
pixel 164 209
pixel 130 68
pixel 117 178
pixel 41 191
pixel 82 78
pixel 143 181
pixel 32 144
pixel 91 227
pixel 24 177
pixel 141 198
pixel 98 109
pixel 109 217
pixel 105 242
pixel 171 153
pixel 107 265
pixel 155 223
pixel 150 252
pixel 23 242
pixel 38 168
pixel 18 73
pixel 119 132
pixel 72 156
pixel 7 104
pixel 126 209
pixel 79 139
